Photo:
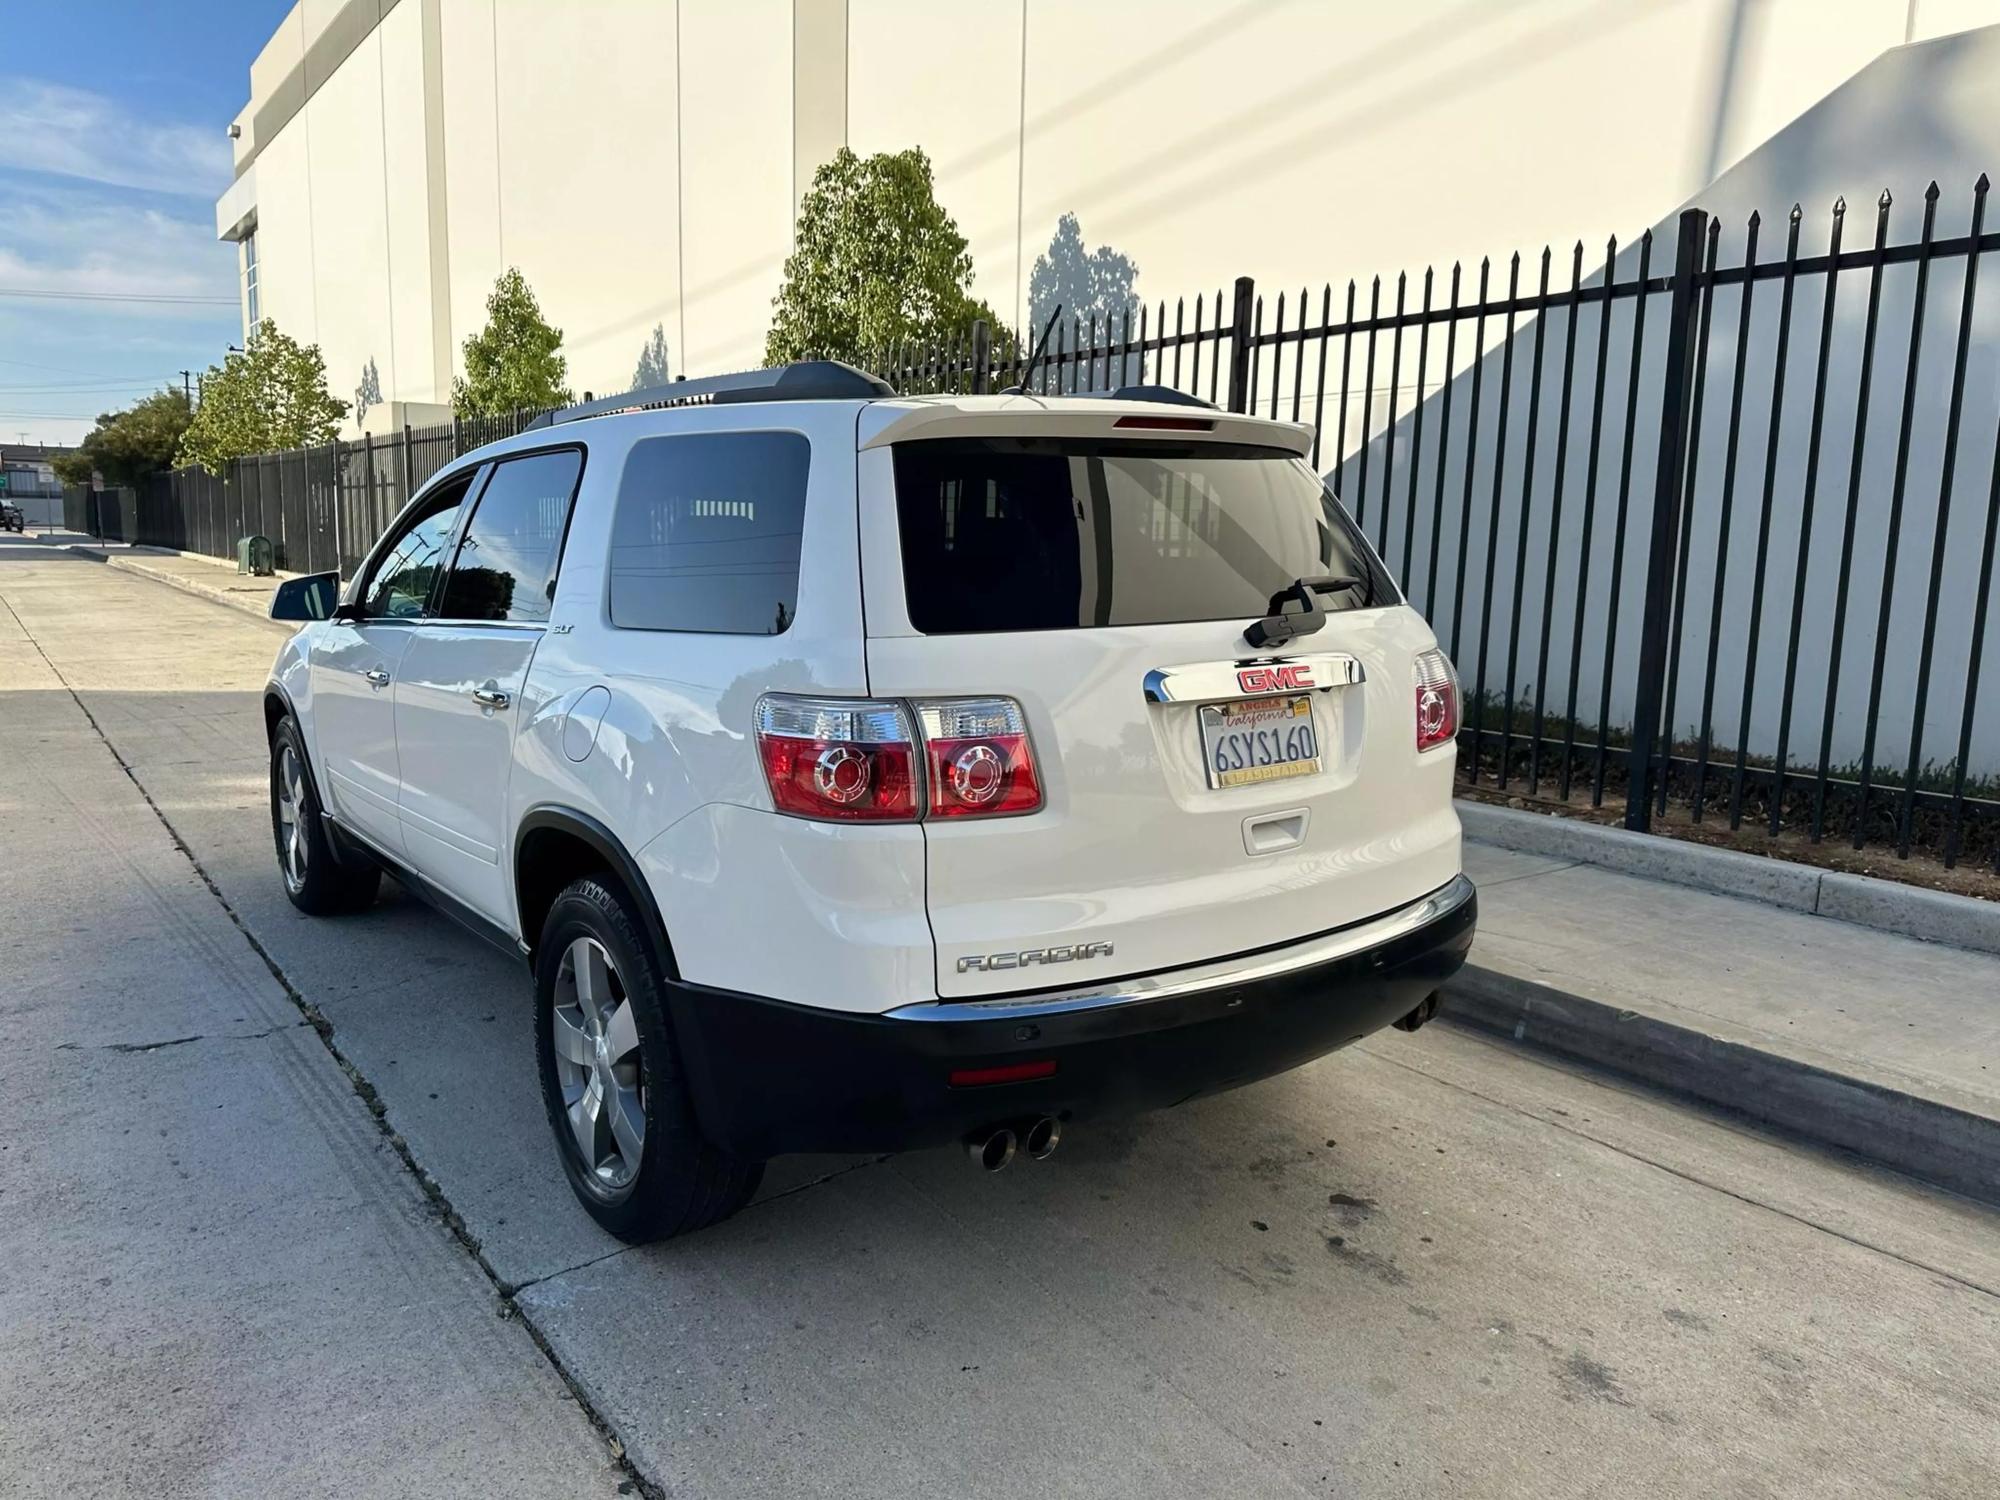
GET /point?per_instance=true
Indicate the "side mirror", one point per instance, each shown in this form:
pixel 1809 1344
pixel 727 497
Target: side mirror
pixel 311 598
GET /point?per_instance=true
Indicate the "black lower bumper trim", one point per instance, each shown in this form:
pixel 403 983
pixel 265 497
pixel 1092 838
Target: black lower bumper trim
pixel 771 1077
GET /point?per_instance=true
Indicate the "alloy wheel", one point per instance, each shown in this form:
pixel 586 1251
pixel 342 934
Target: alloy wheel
pixel 598 1064
pixel 291 831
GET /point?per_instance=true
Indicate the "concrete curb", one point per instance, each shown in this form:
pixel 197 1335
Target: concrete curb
pixel 1908 910
pixel 144 549
pixel 1933 1142
pixel 257 610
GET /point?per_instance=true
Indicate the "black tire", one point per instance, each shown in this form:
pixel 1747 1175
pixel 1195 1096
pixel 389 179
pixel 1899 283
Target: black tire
pixel 314 876
pixel 683 1181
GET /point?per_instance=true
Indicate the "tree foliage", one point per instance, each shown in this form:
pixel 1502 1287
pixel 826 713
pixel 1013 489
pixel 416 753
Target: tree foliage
pixel 877 261
pixel 652 367
pixel 1085 283
pixel 125 446
pixel 270 394
pixel 514 363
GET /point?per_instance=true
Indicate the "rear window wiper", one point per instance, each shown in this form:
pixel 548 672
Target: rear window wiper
pixel 1279 626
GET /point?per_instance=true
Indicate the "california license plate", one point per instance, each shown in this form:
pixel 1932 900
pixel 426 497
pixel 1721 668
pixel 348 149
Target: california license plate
pixel 1261 739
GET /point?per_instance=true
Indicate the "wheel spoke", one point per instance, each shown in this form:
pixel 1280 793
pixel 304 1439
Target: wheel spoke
pixel 288 797
pixel 621 1032
pixel 593 978
pixel 628 1125
pixel 583 1121
pixel 571 1042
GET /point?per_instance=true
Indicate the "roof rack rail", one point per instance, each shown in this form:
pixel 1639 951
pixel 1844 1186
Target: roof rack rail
pixel 806 380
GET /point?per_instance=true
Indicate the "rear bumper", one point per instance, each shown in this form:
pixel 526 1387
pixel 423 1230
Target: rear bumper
pixel 771 1077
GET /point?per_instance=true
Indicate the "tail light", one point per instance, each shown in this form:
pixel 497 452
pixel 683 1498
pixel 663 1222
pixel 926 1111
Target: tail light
pixel 854 760
pixel 977 758
pixel 1437 700
pixel 844 759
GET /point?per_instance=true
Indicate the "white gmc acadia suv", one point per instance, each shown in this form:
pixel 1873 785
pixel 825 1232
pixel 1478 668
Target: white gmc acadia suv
pixel 859 773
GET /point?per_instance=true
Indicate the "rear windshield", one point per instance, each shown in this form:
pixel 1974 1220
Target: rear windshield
pixel 1060 533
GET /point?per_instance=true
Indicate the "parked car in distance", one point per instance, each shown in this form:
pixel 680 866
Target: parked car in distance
pixel 862 773
pixel 11 518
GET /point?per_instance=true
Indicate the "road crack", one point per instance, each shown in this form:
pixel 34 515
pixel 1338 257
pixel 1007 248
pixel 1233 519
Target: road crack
pixel 142 1048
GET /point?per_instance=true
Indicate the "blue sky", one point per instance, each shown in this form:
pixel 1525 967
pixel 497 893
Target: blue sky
pixel 112 151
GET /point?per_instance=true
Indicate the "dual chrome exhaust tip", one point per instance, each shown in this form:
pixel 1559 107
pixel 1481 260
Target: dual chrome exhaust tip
pixel 994 1148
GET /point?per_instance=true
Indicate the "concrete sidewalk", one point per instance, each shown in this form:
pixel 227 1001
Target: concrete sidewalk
pixel 205 577
pixel 1853 1037
pixel 220 1278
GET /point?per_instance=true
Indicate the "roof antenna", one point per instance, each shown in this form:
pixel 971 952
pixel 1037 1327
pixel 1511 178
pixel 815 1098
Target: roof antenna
pixel 1021 388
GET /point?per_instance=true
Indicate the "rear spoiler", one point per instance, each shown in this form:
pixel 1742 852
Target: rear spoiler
pixel 1078 416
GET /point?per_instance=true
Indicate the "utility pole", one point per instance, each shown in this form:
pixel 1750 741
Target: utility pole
pixel 187 388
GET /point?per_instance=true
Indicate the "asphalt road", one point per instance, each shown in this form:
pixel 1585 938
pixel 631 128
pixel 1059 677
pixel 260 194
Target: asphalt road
pixel 1428 1265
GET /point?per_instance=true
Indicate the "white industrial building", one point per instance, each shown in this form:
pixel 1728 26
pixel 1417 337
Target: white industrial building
pixel 641 162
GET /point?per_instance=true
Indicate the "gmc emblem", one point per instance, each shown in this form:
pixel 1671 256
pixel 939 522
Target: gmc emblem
pixel 1274 679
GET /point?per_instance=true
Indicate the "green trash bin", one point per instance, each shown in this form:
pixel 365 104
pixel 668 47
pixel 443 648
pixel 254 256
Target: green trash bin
pixel 254 554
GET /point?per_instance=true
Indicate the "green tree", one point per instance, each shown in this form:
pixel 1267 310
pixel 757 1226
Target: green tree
pixel 271 394
pixel 515 362
pixel 877 260
pixel 126 446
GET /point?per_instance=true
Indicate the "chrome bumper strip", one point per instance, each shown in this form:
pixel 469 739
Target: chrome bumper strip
pixel 1268 965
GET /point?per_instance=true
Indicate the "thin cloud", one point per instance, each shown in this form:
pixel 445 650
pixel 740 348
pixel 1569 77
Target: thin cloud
pixel 84 240
pixel 72 132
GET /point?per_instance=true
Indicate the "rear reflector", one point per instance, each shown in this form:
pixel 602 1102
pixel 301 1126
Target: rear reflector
pixel 1167 424
pixel 977 1078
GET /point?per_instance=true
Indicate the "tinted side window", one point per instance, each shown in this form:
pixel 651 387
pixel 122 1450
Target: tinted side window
pixel 708 531
pixel 401 586
pixel 506 566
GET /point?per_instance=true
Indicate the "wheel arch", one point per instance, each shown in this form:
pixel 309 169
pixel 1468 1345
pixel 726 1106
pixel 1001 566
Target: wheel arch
pixel 556 844
pixel 277 705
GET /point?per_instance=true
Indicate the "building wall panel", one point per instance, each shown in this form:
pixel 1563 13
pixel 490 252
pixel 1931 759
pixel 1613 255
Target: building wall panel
pixel 590 182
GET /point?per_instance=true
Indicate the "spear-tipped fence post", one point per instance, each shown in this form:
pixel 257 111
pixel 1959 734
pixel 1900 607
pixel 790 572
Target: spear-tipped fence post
pixel 1239 344
pixel 1664 538
pixel 982 355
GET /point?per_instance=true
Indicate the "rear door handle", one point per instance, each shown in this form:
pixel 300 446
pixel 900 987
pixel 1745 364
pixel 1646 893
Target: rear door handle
pixel 377 676
pixel 490 697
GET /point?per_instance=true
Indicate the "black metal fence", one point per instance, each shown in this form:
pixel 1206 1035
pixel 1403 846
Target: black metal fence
pixel 322 507
pixel 1709 530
